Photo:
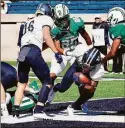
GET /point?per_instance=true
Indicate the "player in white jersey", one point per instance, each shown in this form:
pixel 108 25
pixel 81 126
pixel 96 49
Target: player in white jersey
pixel 37 31
pixel 86 72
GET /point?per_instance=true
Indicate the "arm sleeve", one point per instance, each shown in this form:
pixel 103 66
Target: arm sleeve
pixel 20 35
pixel 106 34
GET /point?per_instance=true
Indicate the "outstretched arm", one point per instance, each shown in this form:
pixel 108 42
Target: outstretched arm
pixel 86 36
pixel 112 52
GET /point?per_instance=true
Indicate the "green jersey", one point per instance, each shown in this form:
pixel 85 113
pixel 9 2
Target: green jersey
pixel 118 31
pixel 28 102
pixel 69 37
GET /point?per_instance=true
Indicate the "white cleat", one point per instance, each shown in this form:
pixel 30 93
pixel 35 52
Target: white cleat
pixel 41 115
pixel 4 111
pixel 70 110
pixel 50 96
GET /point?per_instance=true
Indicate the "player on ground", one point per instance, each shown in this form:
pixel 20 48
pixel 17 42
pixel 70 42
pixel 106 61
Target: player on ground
pixel 37 31
pixel 65 34
pixel 8 80
pixel 86 72
pixel 116 18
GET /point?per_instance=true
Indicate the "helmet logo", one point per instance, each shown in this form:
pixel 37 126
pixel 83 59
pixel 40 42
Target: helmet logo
pixel 59 12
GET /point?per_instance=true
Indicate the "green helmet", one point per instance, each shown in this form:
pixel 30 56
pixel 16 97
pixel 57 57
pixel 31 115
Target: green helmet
pixel 61 15
pixel 116 15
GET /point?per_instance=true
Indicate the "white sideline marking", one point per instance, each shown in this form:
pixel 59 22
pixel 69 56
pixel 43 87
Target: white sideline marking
pixel 62 115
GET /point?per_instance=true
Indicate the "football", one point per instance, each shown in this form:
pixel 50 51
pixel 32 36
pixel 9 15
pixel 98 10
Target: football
pixel 82 78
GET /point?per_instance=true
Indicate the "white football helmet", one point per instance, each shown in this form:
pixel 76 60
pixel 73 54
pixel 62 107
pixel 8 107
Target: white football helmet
pixel 115 15
pixel 60 11
pixel 61 15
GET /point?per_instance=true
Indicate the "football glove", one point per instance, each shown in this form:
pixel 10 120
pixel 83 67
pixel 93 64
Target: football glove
pixel 58 58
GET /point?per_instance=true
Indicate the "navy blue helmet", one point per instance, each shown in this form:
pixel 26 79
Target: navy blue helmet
pixel 44 9
pixel 90 58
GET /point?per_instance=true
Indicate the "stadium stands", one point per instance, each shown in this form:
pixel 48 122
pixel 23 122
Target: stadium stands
pixel 80 6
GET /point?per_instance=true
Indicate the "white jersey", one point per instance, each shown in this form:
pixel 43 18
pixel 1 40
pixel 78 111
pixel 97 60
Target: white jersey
pixel 33 30
pixel 97 73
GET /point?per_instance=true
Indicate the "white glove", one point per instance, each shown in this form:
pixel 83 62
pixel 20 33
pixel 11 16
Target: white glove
pixel 67 53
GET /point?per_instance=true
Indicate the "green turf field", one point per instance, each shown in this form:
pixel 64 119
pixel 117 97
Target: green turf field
pixel 105 89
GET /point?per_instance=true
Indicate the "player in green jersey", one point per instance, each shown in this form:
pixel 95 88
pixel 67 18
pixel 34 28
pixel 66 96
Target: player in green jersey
pixel 116 18
pixel 29 99
pixel 65 35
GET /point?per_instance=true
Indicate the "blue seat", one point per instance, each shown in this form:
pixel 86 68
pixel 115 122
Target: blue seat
pixel 80 6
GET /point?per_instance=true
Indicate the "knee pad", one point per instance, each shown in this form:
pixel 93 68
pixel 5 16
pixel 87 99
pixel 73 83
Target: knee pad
pixel 43 94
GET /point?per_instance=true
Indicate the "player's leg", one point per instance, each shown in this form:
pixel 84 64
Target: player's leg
pixel 67 80
pixel 56 68
pixel 41 70
pixel 64 85
pixel 86 93
pixel 23 71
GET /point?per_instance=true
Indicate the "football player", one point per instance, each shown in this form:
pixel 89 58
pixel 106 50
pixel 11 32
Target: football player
pixel 37 31
pixel 86 72
pixel 116 19
pixel 65 34
pixel 8 80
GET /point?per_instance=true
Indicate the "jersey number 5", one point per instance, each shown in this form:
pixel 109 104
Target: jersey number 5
pixel 29 27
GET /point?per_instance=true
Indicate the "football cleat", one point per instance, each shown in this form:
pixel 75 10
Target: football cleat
pixel 41 115
pixel 15 111
pixel 70 110
pixel 4 111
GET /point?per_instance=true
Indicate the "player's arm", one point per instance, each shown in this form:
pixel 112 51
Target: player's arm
pixel 48 39
pixel 86 36
pixel 58 46
pixel 114 49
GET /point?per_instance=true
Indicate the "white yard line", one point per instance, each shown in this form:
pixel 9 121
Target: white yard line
pixel 103 79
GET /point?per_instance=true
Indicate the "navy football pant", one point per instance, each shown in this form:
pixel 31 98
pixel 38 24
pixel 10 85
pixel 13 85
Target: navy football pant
pixel 35 61
pixel 67 79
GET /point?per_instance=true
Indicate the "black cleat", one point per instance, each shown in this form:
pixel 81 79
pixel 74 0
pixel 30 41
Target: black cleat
pixel 15 111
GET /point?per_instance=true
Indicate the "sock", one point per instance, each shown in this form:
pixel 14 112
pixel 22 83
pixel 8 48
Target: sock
pixel 43 95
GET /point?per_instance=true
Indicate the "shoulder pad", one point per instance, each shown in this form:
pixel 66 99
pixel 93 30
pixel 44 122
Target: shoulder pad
pixel 78 21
